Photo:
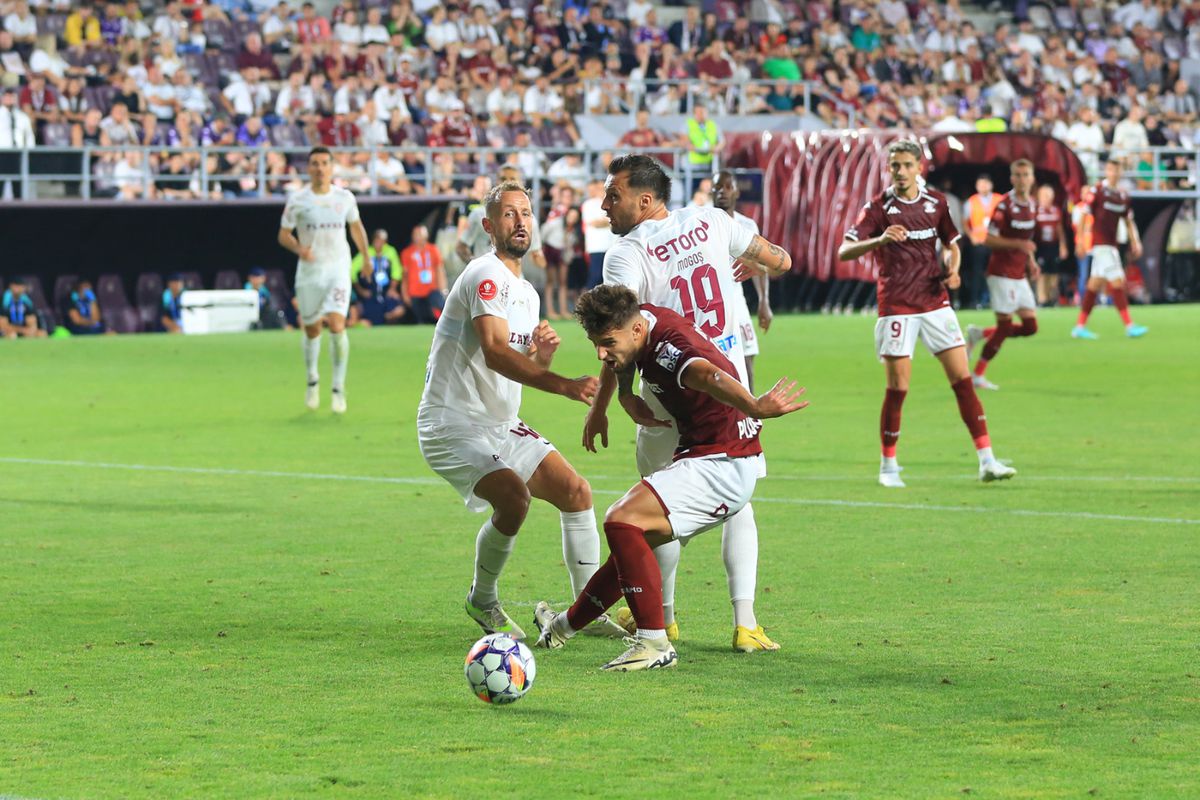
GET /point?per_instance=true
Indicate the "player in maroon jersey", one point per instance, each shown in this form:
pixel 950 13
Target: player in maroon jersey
pixel 904 224
pixel 1109 205
pixel 1010 240
pixel 1051 240
pixel 716 465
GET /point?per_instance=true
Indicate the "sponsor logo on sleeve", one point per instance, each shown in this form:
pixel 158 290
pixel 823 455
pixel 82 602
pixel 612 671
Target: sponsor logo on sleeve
pixel 487 289
pixel 668 356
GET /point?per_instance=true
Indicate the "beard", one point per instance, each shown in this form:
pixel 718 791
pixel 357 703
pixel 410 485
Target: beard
pixel 513 249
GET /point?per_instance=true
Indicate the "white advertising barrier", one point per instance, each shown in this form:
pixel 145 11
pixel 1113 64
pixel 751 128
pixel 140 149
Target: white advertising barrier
pixel 219 310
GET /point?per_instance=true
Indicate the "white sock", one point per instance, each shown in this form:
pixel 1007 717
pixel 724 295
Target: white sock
pixel 888 464
pixel 562 627
pixel 312 356
pixel 667 556
pixel 492 549
pixel 339 350
pixel 647 633
pixel 581 547
pixel 985 455
pixel 739 548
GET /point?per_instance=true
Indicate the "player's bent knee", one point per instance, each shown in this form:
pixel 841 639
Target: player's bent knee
pixel 1029 326
pixel 579 495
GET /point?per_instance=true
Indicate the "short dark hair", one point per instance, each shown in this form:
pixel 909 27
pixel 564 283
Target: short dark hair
pixel 318 150
pixel 909 146
pixel 644 172
pixel 606 308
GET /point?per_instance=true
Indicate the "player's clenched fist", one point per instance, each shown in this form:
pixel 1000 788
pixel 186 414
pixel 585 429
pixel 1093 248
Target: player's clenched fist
pixel 784 398
pixel 894 233
pixel 545 342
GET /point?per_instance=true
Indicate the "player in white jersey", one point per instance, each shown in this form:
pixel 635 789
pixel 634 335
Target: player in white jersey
pixel 314 228
pixel 487 344
pixel 683 260
pixel 725 195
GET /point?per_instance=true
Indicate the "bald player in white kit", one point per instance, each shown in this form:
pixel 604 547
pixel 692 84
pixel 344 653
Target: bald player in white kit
pixel 313 227
pixel 486 345
pixel 683 260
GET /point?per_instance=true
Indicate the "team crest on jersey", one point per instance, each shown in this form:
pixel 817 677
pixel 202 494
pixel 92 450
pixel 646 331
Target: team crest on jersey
pixel 668 356
pixel 487 289
pixel 930 207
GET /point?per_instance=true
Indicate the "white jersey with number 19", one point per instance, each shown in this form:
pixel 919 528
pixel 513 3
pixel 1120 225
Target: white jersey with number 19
pixel 685 263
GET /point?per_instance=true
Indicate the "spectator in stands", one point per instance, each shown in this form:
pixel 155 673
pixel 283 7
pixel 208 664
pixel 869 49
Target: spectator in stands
pixel 131 177
pixel 1180 104
pixel 253 54
pixel 642 135
pixel 559 239
pixel 81 312
pixel 170 317
pixel 1130 134
pixel 311 28
pixel 424 287
pixel 174 179
pixel 18 317
pixel 246 97
pixel 1086 138
pixel 251 133
pixel 16 131
pixel 160 95
pixel 22 24
pixel 39 101
pixel 82 30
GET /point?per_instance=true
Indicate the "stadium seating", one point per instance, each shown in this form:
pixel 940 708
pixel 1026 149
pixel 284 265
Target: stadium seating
pixel 228 279
pixel 148 296
pixel 63 286
pixel 114 305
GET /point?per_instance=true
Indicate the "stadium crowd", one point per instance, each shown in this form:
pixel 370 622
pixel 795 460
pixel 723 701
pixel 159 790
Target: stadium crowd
pixel 512 75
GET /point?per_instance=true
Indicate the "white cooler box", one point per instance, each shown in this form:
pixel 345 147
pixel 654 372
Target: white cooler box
pixel 219 310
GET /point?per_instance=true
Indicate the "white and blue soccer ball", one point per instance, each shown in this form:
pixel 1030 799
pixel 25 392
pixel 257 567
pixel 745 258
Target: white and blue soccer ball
pixel 500 669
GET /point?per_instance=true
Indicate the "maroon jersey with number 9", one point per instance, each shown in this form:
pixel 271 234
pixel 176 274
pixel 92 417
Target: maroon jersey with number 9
pixel 910 276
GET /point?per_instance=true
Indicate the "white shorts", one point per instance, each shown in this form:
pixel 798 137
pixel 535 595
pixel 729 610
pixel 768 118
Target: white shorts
pixel 701 493
pixel 465 454
pixel 1010 294
pixel 745 325
pixel 1106 263
pixel 896 336
pixel 322 293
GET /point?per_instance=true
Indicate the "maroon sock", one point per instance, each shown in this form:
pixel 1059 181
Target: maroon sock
pixel 1028 327
pixel 638 573
pixel 1085 308
pixel 600 593
pixel 972 412
pixel 987 332
pixel 889 421
pixel 1003 330
pixel 1121 302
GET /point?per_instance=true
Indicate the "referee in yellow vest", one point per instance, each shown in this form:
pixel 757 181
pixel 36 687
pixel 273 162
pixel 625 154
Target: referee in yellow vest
pixel 703 142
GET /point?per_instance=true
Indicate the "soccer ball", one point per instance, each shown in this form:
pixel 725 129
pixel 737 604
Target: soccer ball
pixel 500 669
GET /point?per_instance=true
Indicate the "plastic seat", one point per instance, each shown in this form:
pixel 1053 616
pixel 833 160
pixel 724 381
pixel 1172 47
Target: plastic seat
pixel 227 279
pixel 1041 18
pixel 63 286
pixel 148 296
pixel 191 280
pixel 114 304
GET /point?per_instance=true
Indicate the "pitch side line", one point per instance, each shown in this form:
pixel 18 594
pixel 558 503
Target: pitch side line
pixel 1019 512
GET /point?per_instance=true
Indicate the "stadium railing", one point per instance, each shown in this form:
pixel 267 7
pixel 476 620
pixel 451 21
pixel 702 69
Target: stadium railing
pixel 76 167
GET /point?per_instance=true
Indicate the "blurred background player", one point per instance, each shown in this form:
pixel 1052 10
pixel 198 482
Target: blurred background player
pixel 18 317
pixel 488 343
pixel 270 315
pixel 424 284
pixel 1109 204
pixel 713 473
pixel 314 228
pixel 683 260
pixel 1010 240
pixel 81 312
pixel 1051 253
pixel 725 193
pixel 904 224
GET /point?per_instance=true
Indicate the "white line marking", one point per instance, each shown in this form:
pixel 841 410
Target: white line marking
pixel 797 501
pixel 774 476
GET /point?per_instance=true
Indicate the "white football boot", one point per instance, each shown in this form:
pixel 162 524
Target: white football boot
pixel 981 382
pixel 312 396
pixel 995 471
pixel 337 402
pixel 644 654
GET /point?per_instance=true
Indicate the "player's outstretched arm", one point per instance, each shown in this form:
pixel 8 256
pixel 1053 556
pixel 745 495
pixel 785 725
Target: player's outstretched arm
pixel 762 258
pixel 852 249
pixel 702 375
pixel 493 335
pixel 596 422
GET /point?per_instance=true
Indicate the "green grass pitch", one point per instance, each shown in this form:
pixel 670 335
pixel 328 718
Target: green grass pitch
pixel 281 614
